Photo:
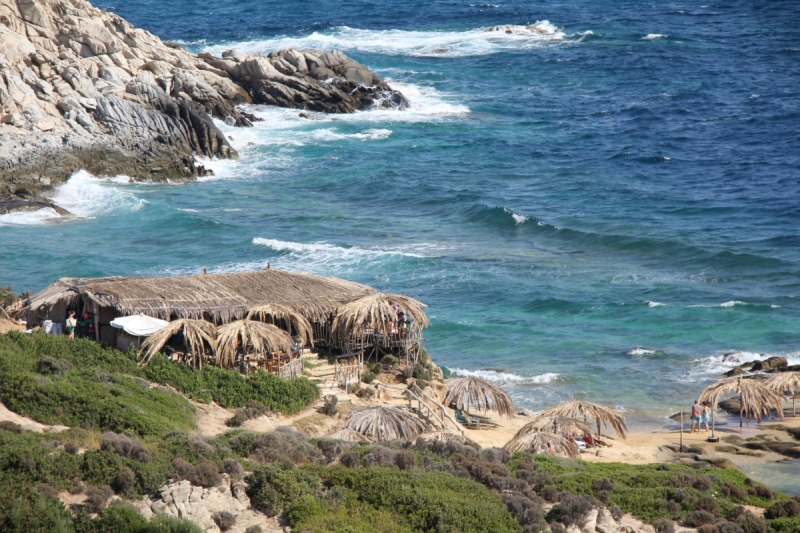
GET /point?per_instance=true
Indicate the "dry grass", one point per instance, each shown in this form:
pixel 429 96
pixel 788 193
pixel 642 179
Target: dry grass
pixel 218 297
pixel 376 312
pixel 383 423
pixel 249 337
pixel 543 444
pixel 756 397
pixel 603 416
pixel 198 335
pixel 483 395
pixel 297 323
pixel 556 425
pixel 785 382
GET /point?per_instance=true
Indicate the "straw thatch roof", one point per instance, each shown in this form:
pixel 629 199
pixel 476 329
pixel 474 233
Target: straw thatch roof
pixel 556 425
pixel 249 336
pixel 755 397
pixel 383 423
pixel 348 435
pixel 585 410
pixel 376 311
pixel 217 297
pixel 785 381
pixel 479 393
pixel 297 323
pixel 542 443
pixel 197 334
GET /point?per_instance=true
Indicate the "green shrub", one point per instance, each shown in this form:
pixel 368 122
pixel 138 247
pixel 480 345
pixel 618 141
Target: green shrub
pixel 120 518
pixel 273 487
pixel 422 501
pixel 23 509
pixel 785 525
pixel 368 377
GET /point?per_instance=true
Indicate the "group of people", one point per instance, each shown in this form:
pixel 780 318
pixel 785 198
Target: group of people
pixel 701 414
pixel 587 439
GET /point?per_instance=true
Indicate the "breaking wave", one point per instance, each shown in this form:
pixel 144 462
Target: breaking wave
pixel 85 196
pixel 506 378
pixel 476 42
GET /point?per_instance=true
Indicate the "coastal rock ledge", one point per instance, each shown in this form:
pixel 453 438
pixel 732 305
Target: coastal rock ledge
pixel 81 88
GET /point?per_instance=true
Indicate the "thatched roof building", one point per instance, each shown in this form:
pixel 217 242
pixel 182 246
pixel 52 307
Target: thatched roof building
pixel 218 298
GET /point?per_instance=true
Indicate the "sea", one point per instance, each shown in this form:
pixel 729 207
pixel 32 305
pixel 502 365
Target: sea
pixel 598 200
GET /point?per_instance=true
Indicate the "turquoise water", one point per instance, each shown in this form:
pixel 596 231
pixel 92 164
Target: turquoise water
pixel 599 206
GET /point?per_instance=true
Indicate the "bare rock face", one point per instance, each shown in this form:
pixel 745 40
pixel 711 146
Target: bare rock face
pixel 82 88
pixel 198 504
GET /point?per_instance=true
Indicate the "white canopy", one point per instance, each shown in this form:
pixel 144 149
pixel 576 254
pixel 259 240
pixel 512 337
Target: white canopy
pixel 139 325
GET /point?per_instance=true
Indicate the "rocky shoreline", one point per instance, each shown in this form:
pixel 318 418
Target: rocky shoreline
pixel 81 88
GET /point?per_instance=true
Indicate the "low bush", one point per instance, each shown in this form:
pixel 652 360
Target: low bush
pixel 368 377
pixel 273 487
pixel 570 509
pixel 232 467
pixel 97 498
pixel 125 446
pixel 225 520
pixel 330 405
pixel 662 525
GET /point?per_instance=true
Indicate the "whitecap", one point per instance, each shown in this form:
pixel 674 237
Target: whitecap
pixel 518 219
pixel 732 303
pixel 641 351
pixel 83 195
pixel 323 256
pixel 475 42
pixel 506 377
pixel 655 304
pixel 716 365
pixel 654 36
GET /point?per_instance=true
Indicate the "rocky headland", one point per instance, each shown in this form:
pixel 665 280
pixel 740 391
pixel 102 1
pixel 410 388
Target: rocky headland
pixel 81 88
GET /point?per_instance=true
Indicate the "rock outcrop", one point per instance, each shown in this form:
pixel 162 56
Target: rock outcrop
pixel 81 88
pixel 198 504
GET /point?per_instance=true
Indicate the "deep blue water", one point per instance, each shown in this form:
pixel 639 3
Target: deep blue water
pixel 598 207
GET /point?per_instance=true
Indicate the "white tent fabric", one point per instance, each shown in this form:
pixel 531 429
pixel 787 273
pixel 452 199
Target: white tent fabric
pixel 139 325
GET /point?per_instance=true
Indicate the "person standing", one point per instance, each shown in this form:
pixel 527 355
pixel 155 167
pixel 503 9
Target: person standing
pixel 706 415
pixel 72 323
pixel 697 416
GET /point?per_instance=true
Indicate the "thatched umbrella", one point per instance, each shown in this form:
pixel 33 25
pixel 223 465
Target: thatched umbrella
pixel 785 381
pixel 297 323
pixel 580 409
pixel 249 335
pixel 479 393
pixel 755 398
pixel 197 334
pixel 347 434
pixel 377 311
pixel 556 425
pixel 542 443
pixel 383 423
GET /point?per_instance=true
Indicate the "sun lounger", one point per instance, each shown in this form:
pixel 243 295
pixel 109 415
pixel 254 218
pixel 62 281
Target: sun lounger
pixel 467 422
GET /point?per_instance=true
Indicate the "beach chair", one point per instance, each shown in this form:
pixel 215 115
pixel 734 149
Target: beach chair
pixel 467 422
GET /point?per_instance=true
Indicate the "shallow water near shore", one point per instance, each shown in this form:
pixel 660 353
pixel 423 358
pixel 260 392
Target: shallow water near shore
pixel 597 201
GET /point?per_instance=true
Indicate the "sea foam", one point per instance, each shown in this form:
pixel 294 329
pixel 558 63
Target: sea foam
pixel 475 42
pixel 506 378
pixel 85 196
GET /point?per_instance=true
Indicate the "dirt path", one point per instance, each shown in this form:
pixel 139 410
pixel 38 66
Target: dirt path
pixel 27 423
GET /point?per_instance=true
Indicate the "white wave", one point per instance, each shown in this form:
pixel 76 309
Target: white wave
pixel 476 42
pixel 716 365
pixel 85 196
pixel 324 257
pixel 30 218
pixel 654 36
pixel 655 304
pixel 331 134
pixel 88 197
pixel 642 351
pixel 506 377
pixel 519 219
pixel 732 303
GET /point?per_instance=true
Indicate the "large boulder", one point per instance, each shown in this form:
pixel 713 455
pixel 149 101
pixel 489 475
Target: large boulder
pixel 771 363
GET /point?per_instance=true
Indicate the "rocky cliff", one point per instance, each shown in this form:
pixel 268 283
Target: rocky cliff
pixel 82 88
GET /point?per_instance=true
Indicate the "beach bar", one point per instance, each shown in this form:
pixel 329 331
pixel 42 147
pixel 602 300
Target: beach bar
pixel 307 309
